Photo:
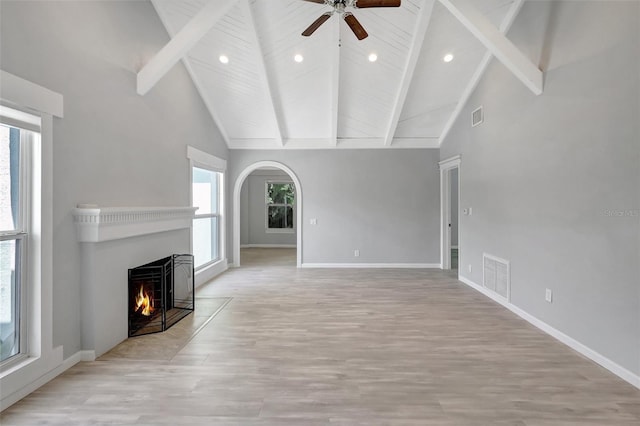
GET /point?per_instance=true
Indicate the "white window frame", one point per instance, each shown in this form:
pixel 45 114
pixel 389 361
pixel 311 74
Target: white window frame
pixel 206 161
pixel 29 165
pixel 268 230
pixel 43 361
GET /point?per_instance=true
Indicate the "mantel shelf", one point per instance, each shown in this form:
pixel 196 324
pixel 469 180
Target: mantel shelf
pixel 96 224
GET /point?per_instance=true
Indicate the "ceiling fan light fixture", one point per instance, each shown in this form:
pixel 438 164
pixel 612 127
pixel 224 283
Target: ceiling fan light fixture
pixel 373 57
pixel 448 57
pixel 298 58
pixel 224 59
pixel 339 8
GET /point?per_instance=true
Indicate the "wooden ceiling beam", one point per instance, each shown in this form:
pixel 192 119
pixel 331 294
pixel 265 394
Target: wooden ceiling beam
pixel 505 25
pixel 499 45
pixel 422 24
pixel 264 74
pixel 181 43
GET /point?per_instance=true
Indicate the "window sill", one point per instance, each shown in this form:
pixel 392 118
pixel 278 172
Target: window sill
pixel 209 271
pixel 16 364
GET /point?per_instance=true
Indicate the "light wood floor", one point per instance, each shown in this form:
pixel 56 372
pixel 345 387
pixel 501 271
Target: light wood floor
pixel 341 347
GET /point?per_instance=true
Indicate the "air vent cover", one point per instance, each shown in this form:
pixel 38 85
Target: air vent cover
pixel 477 117
pixel 496 276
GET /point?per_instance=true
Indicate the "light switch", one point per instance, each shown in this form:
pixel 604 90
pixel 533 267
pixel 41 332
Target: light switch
pixel 313 221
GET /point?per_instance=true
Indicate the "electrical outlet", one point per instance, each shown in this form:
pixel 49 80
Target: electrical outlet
pixel 548 295
pixel 470 268
pixel 356 253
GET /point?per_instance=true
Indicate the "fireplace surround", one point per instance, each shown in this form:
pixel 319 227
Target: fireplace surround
pixel 112 241
pixel 161 293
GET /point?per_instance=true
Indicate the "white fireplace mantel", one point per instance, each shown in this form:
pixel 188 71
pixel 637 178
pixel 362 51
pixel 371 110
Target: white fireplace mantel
pixel 96 224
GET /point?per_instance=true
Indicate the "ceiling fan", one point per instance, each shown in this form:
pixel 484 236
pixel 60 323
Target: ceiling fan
pixel 340 6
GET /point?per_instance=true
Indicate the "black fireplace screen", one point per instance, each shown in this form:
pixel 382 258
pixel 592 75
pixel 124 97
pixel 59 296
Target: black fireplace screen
pixel 161 293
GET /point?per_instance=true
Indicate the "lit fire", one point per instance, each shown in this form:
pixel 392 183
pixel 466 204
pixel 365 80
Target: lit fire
pixel 144 304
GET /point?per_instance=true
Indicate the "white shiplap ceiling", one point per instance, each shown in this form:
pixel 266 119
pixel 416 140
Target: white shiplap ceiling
pixel 335 98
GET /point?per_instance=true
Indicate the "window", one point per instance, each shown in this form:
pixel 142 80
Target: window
pixel 206 186
pixel 15 169
pixel 280 197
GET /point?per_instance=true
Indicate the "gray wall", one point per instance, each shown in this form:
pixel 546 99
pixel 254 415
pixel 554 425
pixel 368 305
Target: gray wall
pixel 548 176
pixel 383 202
pixel 253 211
pixel 113 147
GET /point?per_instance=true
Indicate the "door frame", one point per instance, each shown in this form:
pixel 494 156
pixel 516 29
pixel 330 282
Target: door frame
pixel 236 207
pixel 445 208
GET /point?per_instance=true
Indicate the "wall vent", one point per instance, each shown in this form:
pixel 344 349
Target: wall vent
pixel 477 117
pixel 496 276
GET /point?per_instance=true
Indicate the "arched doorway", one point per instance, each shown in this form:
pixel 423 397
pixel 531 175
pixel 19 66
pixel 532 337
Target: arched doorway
pixel 236 207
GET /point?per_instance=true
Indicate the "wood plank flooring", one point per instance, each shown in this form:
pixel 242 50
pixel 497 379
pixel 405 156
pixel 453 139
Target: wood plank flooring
pixel 342 347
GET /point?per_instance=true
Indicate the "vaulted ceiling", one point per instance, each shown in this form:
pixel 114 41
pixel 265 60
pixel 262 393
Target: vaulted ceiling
pixel 335 97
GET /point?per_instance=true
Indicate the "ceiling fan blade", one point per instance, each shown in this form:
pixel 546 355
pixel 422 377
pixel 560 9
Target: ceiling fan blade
pixel 361 4
pixel 316 1
pixel 355 26
pixel 316 24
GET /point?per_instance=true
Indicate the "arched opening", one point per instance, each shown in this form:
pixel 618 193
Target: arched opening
pixel 236 206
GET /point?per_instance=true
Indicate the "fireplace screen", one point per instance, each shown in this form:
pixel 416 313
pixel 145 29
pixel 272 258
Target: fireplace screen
pixel 161 293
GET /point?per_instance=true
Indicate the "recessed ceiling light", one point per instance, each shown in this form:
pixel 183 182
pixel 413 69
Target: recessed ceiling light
pixel 224 59
pixel 448 57
pixel 298 58
pixel 373 57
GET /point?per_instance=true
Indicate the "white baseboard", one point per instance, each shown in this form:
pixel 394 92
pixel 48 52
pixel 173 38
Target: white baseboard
pixel 210 272
pixel 374 265
pixel 268 246
pixel 596 357
pixel 80 356
pixel 45 378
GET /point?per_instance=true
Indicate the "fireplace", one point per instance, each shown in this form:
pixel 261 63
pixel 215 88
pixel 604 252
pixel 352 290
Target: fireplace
pixel 161 293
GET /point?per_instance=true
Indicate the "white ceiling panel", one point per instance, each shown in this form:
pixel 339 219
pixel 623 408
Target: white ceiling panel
pixel 335 97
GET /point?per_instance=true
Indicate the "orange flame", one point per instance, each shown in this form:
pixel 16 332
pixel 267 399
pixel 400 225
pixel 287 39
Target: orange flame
pixel 144 304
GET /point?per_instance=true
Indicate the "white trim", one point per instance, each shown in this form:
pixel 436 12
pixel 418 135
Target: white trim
pixel 20 119
pixel 205 159
pixel 236 207
pixel 44 360
pixel 450 163
pixel 596 357
pixel 445 207
pixel 209 272
pixel 99 224
pixel 341 143
pixel 276 246
pixel 373 265
pixel 25 94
